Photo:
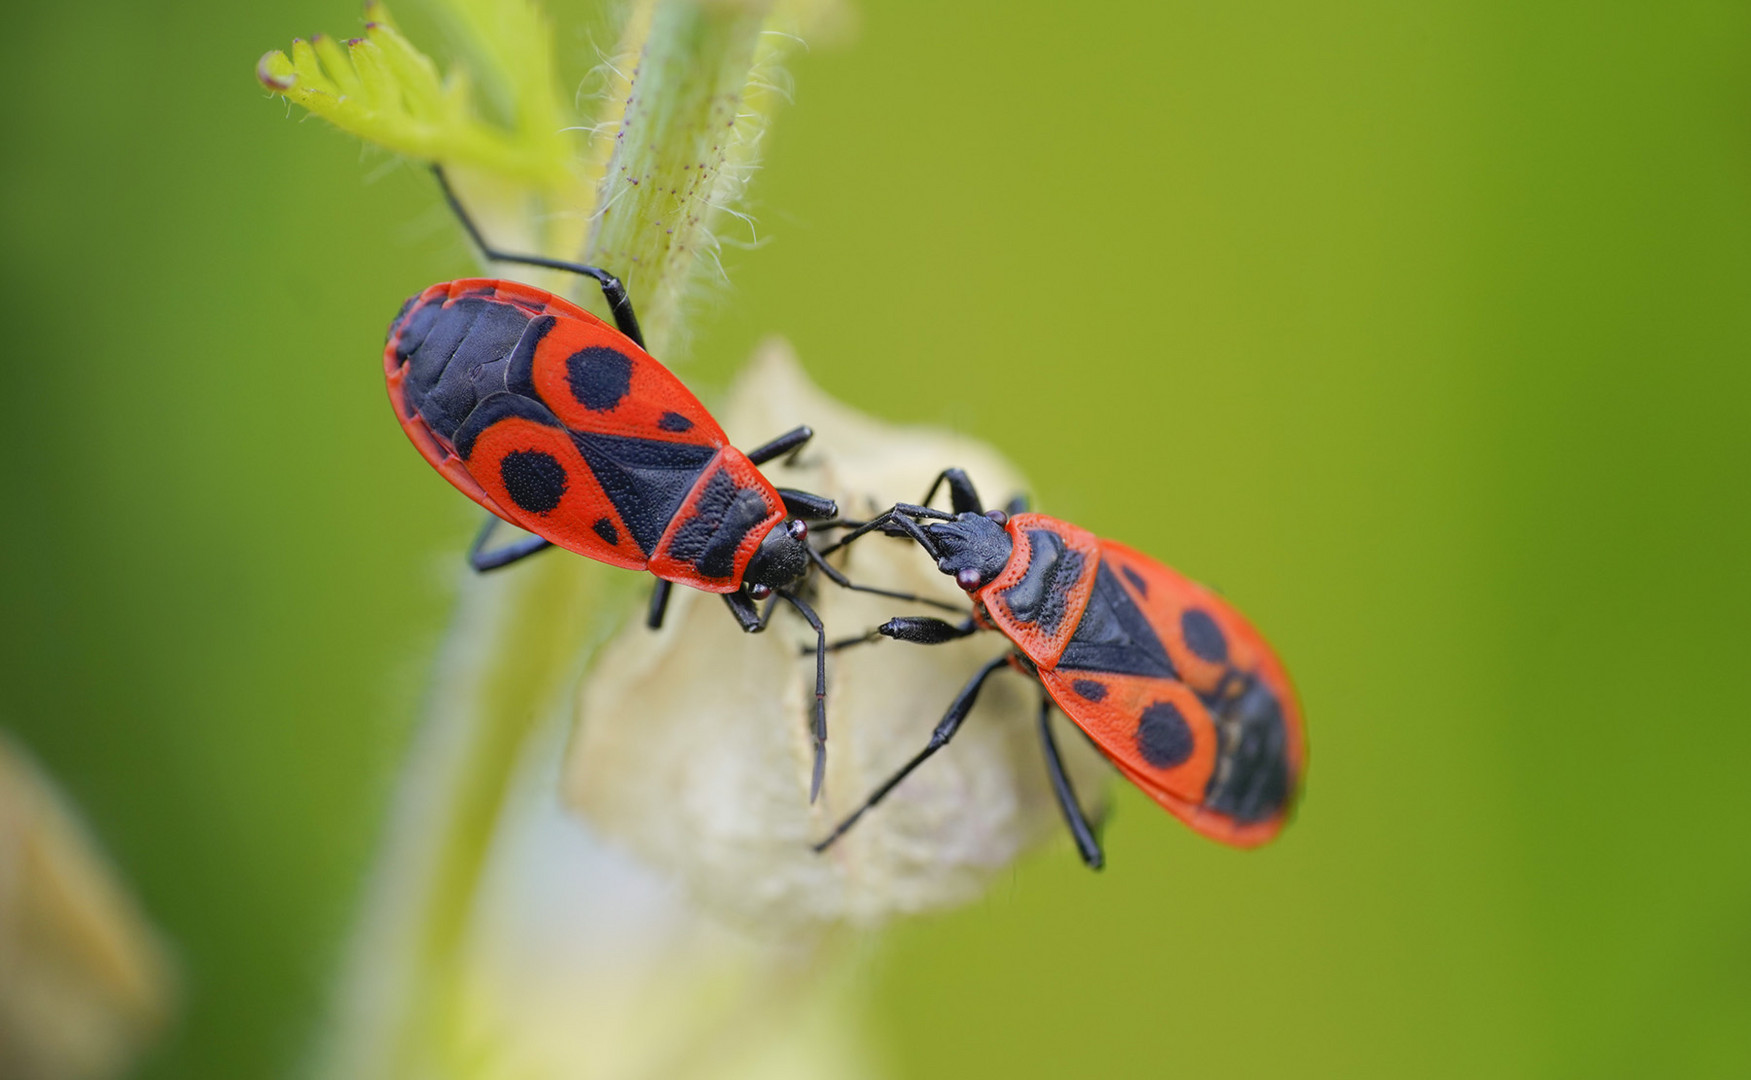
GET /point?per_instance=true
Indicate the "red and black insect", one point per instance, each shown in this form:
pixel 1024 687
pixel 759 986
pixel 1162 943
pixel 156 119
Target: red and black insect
pixel 564 426
pixel 1164 676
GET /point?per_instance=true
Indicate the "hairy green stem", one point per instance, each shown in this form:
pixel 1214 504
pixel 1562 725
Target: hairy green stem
pixel 669 151
pixel 679 158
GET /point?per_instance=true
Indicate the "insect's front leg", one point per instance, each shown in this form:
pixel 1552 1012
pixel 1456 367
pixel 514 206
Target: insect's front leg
pixel 747 613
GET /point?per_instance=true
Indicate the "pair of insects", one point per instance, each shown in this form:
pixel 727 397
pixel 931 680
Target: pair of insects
pixel 558 423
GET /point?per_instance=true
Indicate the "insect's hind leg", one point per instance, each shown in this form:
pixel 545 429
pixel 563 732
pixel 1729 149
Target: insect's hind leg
pixel 483 560
pixel 1087 845
pixel 659 603
pixel 619 304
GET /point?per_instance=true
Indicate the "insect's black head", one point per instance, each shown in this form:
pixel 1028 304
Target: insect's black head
pixel 783 557
pixel 973 548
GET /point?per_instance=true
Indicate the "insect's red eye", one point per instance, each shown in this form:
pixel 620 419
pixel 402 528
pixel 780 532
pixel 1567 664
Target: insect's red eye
pixel 759 591
pixel 797 528
pixel 968 578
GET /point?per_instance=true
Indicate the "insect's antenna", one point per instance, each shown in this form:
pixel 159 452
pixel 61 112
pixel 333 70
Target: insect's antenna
pixel 901 516
pixel 844 582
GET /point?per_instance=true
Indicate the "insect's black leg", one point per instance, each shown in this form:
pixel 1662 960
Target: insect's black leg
pixel 961 493
pixel 483 560
pixel 612 290
pixel 1017 504
pixel 1086 844
pixel 789 442
pixel 745 611
pixel 844 582
pixel 818 728
pixel 809 507
pixel 945 730
pixel 659 604
pixel 751 618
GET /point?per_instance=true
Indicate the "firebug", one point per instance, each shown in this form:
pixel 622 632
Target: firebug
pixel 564 426
pixel 1167 680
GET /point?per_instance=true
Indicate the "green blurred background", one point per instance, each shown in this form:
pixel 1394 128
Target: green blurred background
pixel 1421 330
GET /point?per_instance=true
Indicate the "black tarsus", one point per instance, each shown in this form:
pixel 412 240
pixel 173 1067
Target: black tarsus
pixel 789 442
pixel 483 560
pixel 818 729
pixel 659 603
pixel 612 290
pixel 939 738
pixel 1086 844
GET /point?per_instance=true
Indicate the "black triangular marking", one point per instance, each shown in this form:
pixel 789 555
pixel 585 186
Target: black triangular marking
pixel 646 480
pixel 1042 596
pixel 1251 781
pixel 1114 636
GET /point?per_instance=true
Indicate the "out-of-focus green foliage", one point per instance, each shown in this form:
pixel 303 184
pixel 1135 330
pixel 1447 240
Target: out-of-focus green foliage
pixel 1419 330
pixel 381 88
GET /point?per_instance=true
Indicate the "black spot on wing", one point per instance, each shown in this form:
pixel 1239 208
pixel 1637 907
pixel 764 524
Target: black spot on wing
pixel 490 411
pixel 534 479
pixel 1251 781
pixel 674 421
pixel 599 376
pixel 1042 595
pixel 1138 582
pixel 1114 635
pixel 1203 636
pixel 1163 736
pixel 646 480
pixel 724 517
pixel 605 529
pixel 1089 689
